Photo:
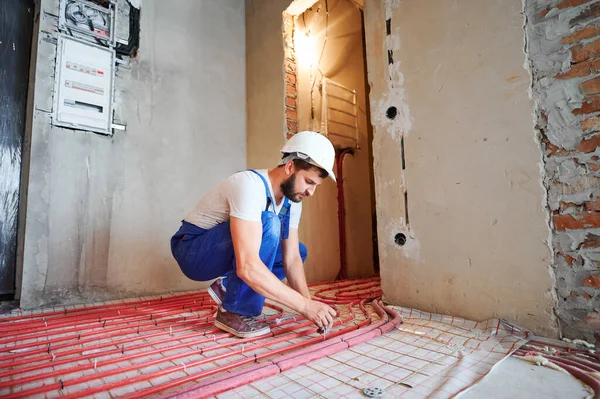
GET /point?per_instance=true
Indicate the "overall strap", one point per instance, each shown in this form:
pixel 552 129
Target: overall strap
pixel 284 214
pixel 269 199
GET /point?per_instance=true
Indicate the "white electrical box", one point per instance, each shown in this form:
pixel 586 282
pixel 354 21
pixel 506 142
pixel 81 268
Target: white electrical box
pixel 84 86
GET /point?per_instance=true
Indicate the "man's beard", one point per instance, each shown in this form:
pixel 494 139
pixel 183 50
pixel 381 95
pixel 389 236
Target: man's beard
pixel 287 187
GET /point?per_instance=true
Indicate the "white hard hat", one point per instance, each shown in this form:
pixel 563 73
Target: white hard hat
pixel 314 148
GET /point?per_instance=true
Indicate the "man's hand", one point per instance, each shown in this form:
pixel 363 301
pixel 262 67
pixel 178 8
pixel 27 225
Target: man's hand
pixel 319 313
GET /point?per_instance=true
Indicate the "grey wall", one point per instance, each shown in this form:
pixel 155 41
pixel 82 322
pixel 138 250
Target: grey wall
pixel 476 223
pixel 100 210
pixel 265 86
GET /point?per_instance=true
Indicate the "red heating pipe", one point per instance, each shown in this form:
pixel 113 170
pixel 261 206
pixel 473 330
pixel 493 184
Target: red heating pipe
pixel 256 374
pixel 365 333
pixel 47 324
pixel 342 211
pixel 302 356
pixel 284 338
pixel 145 377
pixel 348 281
pixel 99 325
pixel 55 354
pixel 67 312
pixel 99 355
pixel 111 332
pixel 120 370
pixel 174 383
pixel 32 378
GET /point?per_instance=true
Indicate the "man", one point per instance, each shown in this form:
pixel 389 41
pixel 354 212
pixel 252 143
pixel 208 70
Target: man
pixel 245 230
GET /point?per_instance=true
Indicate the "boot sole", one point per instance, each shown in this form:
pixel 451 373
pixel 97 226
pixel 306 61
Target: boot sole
pixel 214 296
pixel 252 334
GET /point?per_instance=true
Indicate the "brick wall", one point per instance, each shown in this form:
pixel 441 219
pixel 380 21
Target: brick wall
pixel 290 65
pixel 563 48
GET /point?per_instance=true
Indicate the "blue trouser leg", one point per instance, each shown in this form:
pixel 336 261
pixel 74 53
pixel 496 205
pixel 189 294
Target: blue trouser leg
pixel 278 265
pixel 240 298
pixel 202 254
pixel 207 254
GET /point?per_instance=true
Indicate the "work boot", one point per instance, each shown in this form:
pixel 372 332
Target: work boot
pixel 217 291
pixel 240 326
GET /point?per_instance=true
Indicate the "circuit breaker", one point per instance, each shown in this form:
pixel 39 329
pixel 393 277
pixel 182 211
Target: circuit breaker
pixel 84 85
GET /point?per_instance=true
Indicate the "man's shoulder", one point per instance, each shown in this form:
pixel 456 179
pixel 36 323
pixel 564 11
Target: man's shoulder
pixel 245 181
pixel 244 176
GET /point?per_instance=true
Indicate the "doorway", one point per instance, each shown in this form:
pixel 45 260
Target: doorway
pixel 327 92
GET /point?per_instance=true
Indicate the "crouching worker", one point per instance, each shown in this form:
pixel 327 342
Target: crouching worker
pixel 244 232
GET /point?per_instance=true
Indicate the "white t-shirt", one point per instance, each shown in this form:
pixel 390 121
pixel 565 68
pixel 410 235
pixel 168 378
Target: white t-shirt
pixel 243 196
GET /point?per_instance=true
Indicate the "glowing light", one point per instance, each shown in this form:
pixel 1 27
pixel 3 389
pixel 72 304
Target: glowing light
pixel 304 44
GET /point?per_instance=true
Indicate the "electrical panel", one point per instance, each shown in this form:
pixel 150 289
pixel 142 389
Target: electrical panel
pixel 83 86
pixel 89 47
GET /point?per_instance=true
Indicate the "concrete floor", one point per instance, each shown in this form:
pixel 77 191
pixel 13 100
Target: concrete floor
pixel 515 378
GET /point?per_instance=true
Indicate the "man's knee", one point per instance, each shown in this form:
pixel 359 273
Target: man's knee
pixel 303 252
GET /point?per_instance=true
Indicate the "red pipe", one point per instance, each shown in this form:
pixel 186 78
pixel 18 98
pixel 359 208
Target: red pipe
pixel 581 376
pixel 348 293
pixel 12 321
pixel 343 272
pixel 213 387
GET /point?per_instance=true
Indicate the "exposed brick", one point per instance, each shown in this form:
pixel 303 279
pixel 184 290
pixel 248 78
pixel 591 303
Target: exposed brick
pixel 589 13
pixel 594 167
pixel 591 241
pixel 290 89
pixel 291 114
pixel 585 51
pixel 571 3
pixel 564 4
pixel 587 296
pixel 292 126
pixel 589 104
pixel 581 34
pixel 289 135
pixel 591 124
pixel 593 280
pixel 582 69
pixel 566 205
pixel 577 221
pixel 290 66
pixel 290 102
pixel 551 148
pixel 570 260
pixel 290 77
pixel 589 145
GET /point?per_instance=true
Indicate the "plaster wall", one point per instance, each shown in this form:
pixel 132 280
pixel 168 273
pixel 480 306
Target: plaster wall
pixel 477 228
pixel 101 210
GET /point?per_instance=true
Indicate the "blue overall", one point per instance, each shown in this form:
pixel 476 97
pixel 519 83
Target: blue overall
pixel 204 255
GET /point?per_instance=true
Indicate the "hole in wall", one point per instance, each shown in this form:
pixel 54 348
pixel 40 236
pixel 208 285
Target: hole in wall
pixel 400 239
pixel 391 112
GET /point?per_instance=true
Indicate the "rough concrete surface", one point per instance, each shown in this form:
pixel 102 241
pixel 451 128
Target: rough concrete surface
pixel 477 226
pixel 100 209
